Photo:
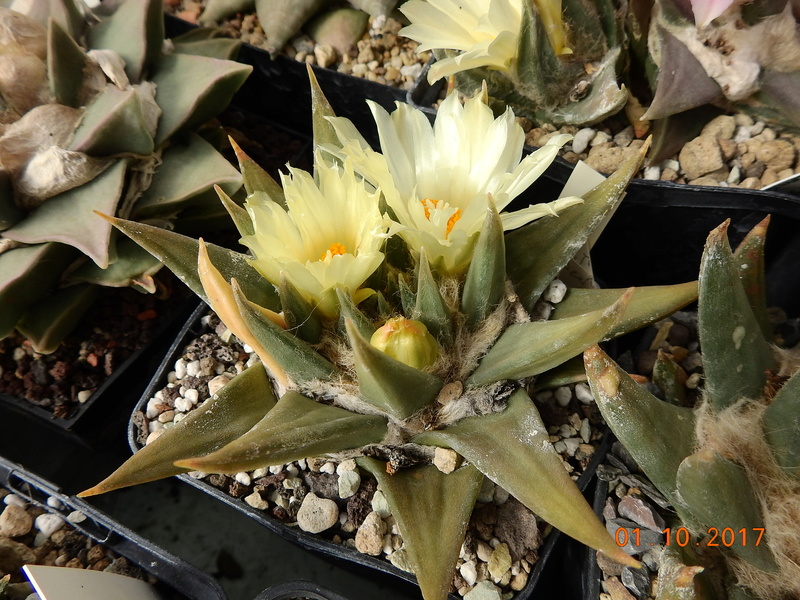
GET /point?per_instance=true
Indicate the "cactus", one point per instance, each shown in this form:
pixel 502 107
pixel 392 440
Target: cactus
pixel 281 20
pixel 552 61
pixel 732 464
pixel 104 126
pixel 731 54
pixel 392 316
pixel 565 61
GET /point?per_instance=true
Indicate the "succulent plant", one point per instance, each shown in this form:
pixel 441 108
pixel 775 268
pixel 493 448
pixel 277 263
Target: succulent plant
pixel 731 466
pixel 281 20
pixel 552 61
pixel 725 53
pixel 98 113
pixel 393 318
pixel 578 62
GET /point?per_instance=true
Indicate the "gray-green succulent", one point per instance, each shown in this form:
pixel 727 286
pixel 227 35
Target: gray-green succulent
pixel 281 20
pixel 731 466
pixel 99 112
pixel 578 62
pixel 416 359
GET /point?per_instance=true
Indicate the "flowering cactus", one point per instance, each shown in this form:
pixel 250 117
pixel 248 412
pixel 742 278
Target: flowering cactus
pixel 106 126
pixel 732 465
pixel 563 61
pixel 430 344
pixel 553 61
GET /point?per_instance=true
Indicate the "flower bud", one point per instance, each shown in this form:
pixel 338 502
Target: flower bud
pixel 408 341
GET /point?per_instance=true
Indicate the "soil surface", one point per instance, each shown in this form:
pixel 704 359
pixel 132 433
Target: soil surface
pixel 361 518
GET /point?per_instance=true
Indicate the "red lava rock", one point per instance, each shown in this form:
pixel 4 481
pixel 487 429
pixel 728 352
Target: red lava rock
pixel 147 315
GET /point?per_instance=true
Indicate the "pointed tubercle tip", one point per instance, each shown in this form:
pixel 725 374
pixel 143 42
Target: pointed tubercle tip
pixel 109 218
pixel 719 232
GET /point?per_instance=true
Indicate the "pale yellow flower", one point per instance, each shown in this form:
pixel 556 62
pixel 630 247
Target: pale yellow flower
pixel 438 180
pixel 330 234
pixel 485 33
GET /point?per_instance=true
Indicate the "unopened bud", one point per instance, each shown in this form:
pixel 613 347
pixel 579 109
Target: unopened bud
pixel 408 341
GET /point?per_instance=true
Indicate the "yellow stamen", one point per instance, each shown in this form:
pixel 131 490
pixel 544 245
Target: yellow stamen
pixel 428 204
pixel 335 249
pixel 452 221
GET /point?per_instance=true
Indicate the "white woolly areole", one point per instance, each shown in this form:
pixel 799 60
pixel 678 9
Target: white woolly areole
pixel 736 434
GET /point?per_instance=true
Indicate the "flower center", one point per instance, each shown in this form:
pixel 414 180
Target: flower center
pixel 429 203
pixel 452 221
pixel 335 249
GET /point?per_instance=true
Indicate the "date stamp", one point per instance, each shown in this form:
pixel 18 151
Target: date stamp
pixel 680 536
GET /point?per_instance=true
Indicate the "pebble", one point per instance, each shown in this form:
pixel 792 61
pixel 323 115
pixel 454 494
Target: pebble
pixel 380 505
pixel 485 590
pixel 15 521
pixel 637 581
pixel 617 590
pixel 500 562
pixel 581 140
pixel 647 538
pixel 652 173
pixel 180 369
pixel 571 445
pixel 586 431
pixel 369 537
pixel 446 460
pixel 639 511
pixel 84 395
pixel 486 493
pixel 48 524
pixel 349 482
pixel 317 514
pixel 563 395
pixel 192 369
pixel 583 393
pixel 555 291
pixel 722 126
pixel 76 516
pixel 9 499
pixel 700 156
pixel 256 501
pixel 183 404
pixel 469 572
pixel 501 496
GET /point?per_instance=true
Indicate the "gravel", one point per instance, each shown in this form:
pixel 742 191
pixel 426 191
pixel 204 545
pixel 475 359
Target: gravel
pixel 381 55
pixel 30 535
pixel 730 151
pixel 345 505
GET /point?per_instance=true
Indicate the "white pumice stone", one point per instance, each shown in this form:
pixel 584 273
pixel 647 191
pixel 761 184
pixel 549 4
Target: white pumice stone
pixel 243 478
pixel 583 393
pixel 76 516
pixel 183 404
pixel 180 369
pixel 555 292
pixel 563 395
pixel 193 368
pixel 48 523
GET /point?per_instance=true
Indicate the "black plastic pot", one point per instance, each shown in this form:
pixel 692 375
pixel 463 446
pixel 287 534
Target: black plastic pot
pixel 279 89
pixel 124 376
pixel 549 552
pixel 177 578
pixel 299 590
